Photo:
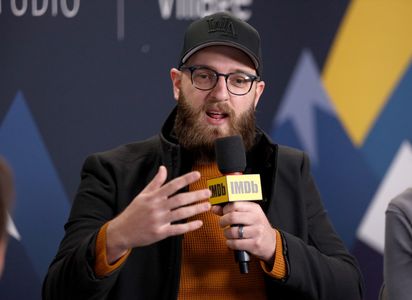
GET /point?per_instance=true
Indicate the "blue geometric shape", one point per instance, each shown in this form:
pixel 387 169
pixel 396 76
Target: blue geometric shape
pixel 307 120
pixel 371 265
pixel 304 94
pixel 19 280
pixel 41 206
pixel 343 176
pixel 393 126
pixel 345 179
pixel 286 134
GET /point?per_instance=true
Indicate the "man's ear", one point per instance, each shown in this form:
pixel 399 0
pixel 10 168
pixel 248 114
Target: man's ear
pixel 176 77
pixel 260 86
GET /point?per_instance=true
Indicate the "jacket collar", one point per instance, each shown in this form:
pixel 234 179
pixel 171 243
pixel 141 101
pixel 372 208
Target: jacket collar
pixel 259 157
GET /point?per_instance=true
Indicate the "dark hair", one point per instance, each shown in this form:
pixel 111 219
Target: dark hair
pixel 6 194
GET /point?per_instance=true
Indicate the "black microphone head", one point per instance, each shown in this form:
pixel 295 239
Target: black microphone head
pixel 230 154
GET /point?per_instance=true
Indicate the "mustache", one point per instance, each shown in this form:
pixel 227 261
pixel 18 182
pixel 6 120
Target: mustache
pixel 220 106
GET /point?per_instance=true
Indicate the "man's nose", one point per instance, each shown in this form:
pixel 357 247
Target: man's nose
pixel 220 92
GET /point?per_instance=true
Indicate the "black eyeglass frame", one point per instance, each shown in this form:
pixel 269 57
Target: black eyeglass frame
pixel 253 78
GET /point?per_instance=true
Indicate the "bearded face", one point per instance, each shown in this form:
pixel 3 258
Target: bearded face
pixel 198 137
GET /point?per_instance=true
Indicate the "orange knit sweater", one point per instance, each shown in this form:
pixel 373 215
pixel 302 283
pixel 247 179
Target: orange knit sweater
pixel 208 269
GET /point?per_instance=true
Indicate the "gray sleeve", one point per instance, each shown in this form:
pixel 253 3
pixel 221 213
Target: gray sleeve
pixel 398 247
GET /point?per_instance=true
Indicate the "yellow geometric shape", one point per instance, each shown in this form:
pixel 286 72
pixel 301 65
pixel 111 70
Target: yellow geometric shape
pixel 370 54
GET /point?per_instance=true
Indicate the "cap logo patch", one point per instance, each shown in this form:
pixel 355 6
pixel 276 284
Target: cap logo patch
pixel 222 25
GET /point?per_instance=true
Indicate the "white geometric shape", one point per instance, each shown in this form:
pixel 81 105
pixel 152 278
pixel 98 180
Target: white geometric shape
pixel 11 228
pixel 398 178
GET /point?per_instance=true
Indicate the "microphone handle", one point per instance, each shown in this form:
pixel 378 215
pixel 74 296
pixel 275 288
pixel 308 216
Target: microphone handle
pixel 231 160
pixel 242 258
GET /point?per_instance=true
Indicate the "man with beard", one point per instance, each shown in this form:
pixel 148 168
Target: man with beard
pixel 141 225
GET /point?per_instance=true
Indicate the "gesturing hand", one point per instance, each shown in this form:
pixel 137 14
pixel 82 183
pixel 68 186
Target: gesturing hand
pixel 150 215
pixel 259 238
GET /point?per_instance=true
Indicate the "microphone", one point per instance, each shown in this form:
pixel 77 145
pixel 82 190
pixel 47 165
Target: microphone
pixel 230 154
pixel 234 186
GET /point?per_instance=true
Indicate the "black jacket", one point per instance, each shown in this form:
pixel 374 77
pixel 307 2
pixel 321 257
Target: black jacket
pixel 319 266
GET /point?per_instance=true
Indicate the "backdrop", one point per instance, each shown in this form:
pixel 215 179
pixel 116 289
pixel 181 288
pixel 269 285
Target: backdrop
pixel 78 77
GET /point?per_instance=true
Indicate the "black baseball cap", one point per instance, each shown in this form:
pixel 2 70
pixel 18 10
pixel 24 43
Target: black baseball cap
pixel 226 30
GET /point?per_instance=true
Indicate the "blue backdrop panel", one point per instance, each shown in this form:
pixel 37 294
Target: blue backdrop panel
pixel 78 77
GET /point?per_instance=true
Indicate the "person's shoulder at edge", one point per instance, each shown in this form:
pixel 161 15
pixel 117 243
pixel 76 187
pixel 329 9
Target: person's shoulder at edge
pixel 402 202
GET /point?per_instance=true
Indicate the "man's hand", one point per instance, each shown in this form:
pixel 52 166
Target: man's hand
pixel 259 238
pixel 150 215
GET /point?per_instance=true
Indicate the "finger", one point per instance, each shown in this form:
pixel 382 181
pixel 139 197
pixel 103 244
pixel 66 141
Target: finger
pixel 238 206
pixel 178 183
pixel 157 181
pixel 237 244
pixel 233 218
pixel 188 211
pixel 263 247
pixel 233 232
pixel 178 229
pixel 217 209
pixel 187 198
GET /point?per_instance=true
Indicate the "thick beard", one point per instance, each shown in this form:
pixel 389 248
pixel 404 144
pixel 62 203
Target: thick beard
pixel 198 138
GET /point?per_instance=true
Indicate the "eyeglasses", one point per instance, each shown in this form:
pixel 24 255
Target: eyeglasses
pixel 205 79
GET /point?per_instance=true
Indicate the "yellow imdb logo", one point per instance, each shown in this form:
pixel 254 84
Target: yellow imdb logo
pixel 235 188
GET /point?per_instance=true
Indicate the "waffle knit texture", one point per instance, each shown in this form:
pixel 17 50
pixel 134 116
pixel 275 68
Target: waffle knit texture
pixel 208 270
